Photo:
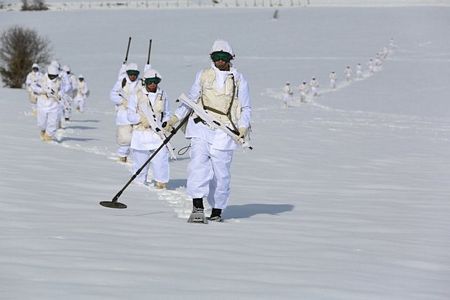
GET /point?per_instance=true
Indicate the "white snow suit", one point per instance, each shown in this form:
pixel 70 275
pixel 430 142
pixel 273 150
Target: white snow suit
pixel 314 85
pixel 66 90
pixel 120 94
pixel 333 78
pixel 212 149
pixel 303 89
pixel 32 77
pixel 287 95
pixel 81 95
pixel 48 97
pixel 348 74
pixel 359 72
pixel 144 140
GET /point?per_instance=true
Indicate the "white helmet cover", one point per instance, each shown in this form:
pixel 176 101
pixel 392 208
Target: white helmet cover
pixel 152 73
pixel 52 70
pixel 221 45
pixel 35 66
pixel 55 63
pixel 132 67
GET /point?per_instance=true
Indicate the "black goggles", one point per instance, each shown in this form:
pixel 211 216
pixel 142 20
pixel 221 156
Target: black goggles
pixel 220 55
pixel 51 76
pixel 133 72
pixel 154 80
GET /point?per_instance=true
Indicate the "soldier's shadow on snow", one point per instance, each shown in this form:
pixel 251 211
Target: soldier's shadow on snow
pixel 85 121
pixel 81 127
pixel 249 210
pixel 66 139
pixel 176 183
pixel 181 158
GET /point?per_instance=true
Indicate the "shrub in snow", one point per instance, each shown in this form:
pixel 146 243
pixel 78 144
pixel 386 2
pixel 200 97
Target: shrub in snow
pixel 19 49
pixel 34 5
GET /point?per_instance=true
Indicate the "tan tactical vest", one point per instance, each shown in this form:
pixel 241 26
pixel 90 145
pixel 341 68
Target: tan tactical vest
pixel 157 107
pixel 223 105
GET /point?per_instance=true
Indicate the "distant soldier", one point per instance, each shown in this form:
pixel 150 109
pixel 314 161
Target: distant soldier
pixel 378 63
pixel 81 94
pixel 359 72
pixel 48 91
pixel 287 94
pixel 314 85
pixel 34 76
pixel 126 85
pixel 303 90
pixel 333 78
pixel 371 66
pixel 348 73
pixel 71 82
pixel 392 44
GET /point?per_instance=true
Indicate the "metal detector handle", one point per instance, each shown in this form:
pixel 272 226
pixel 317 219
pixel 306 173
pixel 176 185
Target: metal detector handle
pixel 173 132
pixel 149 51
pixel 128 49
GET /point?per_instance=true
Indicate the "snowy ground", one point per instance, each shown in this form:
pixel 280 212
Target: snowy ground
pixel 345 197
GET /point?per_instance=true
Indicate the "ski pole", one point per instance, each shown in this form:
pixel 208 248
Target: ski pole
pixel 149 50
pixel 128 49
pixel 114 202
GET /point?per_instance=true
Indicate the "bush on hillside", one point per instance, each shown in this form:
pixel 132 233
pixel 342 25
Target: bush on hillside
pixel 19 49
pixel 34 5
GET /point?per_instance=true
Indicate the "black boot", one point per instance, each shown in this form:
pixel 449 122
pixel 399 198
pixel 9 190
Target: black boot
pixel 197 215
pixel 197 203
pixel 216 215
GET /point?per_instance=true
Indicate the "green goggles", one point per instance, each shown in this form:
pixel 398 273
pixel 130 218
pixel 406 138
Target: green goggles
pixel 133 73
pixel 154 80
pixel 220 55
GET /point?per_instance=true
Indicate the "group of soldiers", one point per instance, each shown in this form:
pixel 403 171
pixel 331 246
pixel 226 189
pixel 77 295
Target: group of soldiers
pixel 144 124
pixel 312 87
pixel 52 95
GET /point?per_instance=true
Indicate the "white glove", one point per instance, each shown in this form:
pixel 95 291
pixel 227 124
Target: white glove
pixel 168 126
pixel 144 121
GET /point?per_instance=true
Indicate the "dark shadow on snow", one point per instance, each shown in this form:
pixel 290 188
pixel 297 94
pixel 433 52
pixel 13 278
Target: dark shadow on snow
pixel 85 121
pixel 65 139
pixel 176 183
pixel 81 127
pixel 249 210
pixel 180 158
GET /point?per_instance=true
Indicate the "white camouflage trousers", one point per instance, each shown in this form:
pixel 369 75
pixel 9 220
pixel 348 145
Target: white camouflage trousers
pixel 159 165
pixel 209 173
pixel 47 119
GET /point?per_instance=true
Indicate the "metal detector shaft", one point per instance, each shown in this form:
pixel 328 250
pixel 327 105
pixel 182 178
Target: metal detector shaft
pixel 174 131
pixel 149 51
pixel 128 49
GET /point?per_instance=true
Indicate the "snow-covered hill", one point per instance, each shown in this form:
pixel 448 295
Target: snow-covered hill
pixel 344 197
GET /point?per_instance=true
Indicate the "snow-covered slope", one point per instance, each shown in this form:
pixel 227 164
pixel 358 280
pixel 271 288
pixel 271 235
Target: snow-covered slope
pixel 345 197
